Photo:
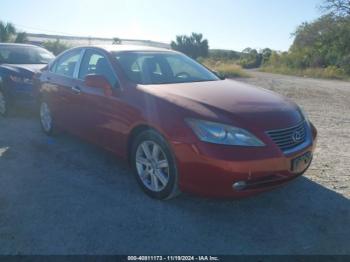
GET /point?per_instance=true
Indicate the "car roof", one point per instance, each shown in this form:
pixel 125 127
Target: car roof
pixel 18 45
pixel 126 48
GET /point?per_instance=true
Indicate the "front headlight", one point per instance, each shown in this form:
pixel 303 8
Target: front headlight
pixel 217 133
pixel 21 80
pixel 304 114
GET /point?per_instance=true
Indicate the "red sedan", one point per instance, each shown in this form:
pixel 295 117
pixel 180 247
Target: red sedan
pixel 180 126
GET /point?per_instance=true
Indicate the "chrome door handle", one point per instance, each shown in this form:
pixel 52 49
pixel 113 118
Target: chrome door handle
pixel 76 90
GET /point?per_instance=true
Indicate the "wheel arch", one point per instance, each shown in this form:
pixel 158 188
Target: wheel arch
pixel 138 129
pixel 144 127
pixel 133 134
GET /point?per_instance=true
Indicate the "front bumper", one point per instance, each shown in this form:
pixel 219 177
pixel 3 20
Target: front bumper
pixel 21 94
pixel 212 170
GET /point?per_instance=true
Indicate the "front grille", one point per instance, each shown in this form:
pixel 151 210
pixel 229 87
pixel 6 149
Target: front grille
pixel 289 138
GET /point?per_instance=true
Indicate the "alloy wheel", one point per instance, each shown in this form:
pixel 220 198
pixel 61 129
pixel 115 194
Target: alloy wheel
pixel 152 166
pixel 45 117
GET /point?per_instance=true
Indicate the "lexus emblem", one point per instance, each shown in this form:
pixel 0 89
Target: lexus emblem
pixel 297 136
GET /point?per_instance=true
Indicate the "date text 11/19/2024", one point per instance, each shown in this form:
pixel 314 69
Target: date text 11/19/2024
pixel 173 258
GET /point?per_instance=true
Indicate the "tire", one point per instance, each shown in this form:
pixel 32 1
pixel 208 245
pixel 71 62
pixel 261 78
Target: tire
pixel 46 118
pixel 4 104
pixel 155 170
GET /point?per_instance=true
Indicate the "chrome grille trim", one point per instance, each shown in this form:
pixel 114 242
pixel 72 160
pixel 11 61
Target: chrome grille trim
pixel 283 138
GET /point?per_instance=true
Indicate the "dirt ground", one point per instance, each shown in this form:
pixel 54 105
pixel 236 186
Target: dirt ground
pixel 64 196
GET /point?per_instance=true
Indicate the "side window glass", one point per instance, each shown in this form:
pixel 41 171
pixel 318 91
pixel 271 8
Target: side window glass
pixel 178 67
pixel 66 64
pixel 95 63
pixel 147 69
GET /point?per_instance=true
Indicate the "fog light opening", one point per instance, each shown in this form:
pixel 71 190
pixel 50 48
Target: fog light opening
pixel 239 186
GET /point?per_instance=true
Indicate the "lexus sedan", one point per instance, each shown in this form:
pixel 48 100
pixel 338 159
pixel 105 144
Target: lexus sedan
pixel 181 127
pixel 18 64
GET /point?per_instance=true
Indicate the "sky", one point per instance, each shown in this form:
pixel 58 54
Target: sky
pixel 227 24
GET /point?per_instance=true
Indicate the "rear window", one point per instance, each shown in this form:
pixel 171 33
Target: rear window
pixel 24 55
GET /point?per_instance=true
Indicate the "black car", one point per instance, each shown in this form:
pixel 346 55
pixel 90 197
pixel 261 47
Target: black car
pixel 18 65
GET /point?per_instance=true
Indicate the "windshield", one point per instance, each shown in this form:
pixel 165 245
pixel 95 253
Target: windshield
pixel 24 55
pixel 162 68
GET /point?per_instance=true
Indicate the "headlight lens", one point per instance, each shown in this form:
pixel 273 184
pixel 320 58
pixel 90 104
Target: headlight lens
pixel 304 114
pixel 217 133
pixel 21 80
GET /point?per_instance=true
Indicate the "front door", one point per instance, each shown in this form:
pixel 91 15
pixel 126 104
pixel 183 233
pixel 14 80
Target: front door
pixel 103 117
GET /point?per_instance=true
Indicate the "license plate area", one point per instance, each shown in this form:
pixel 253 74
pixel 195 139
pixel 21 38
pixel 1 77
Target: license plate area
pixel 301 163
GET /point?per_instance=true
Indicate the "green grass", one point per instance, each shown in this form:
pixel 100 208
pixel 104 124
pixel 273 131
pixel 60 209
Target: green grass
pixel 227 68
pixel 330 72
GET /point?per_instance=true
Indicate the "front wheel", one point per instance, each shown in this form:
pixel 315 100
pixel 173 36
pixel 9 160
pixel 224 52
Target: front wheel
pixel 46 119
pixel 154 166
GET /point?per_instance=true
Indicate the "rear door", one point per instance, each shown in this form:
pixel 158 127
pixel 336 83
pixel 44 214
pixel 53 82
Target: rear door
pixel 64 87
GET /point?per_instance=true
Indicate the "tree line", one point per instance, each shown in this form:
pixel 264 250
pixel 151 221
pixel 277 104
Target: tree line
pixel 193 45
pixel 9 33
pixel 322 44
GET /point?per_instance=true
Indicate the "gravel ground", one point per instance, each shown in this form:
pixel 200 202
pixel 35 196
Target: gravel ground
pixel 64 196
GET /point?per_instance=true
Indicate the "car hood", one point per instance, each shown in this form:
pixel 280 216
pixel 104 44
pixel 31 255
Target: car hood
pixel 232 102
pixel 25 70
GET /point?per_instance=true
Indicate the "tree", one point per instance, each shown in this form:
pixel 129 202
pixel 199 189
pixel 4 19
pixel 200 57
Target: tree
pixel 250 58
pixel 21 37
pixel 322 43
pixel 266 54
pixel 182 44
pixel 194 46
pixel 56 47
pixel 117 41
pixel 336 7
pixel 7 31
pixel 201 46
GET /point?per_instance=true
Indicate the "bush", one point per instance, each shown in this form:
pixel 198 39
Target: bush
pixel 227 68
pixel 56 47
pixel 330 72
pixel 194 45
pixel 334 72
pixel 320 49
pixel 250 58
pixel 230 71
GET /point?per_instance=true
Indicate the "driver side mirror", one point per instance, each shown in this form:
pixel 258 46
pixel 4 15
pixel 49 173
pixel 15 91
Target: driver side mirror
pixel 99 81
